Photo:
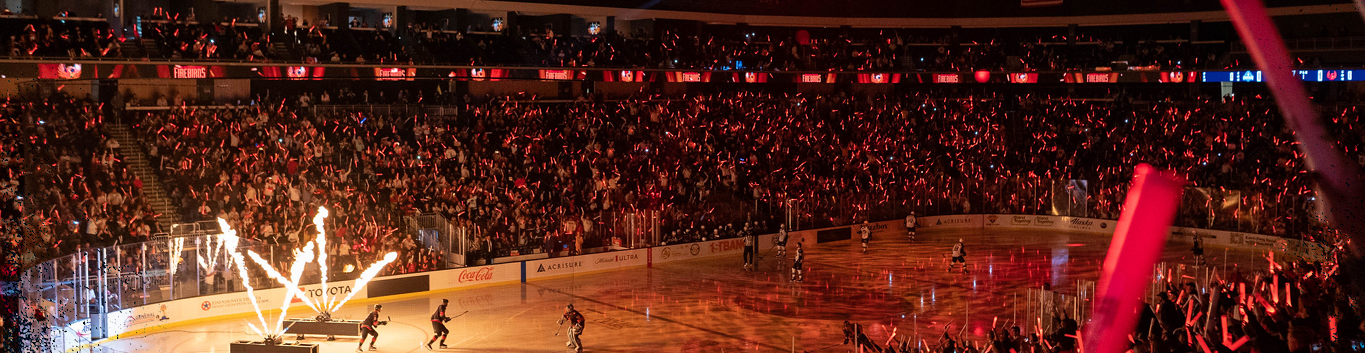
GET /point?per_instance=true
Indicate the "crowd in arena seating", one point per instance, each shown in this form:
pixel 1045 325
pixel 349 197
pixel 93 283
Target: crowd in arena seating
pixel 81 191
pixel 173 37
pixel 11 202
pixel 267 173
pixel 1295 306
pixel 526 176
pixel 529 176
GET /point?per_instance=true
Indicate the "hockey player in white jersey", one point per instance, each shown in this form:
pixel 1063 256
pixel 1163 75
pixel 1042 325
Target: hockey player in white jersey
pixel 959 256
pixel 865 234
pixel 910 226
pixel 781 242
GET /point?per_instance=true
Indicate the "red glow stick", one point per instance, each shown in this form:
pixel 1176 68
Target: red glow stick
pixel 1275 289
pixel 1235 345
pixel 1139 238
pixel 1203 344
pixel 1338 176
pixel 1189 313
pixel 1332 327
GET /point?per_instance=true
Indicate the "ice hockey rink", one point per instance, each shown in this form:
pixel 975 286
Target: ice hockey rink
pixel 712 305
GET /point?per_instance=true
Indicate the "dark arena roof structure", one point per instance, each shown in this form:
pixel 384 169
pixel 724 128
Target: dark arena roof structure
pixel 923 8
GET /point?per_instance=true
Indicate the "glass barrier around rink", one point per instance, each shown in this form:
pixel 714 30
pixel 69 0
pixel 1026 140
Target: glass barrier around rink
pixel 69 291
pixel 653 223
pixel 1207 208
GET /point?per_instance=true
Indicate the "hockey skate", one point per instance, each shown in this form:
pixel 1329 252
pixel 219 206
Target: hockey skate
pixel 372 348
pixel 428 345
pixel 443 346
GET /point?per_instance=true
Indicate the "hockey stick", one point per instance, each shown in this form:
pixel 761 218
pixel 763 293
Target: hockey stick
pixel 456 316
pixel 557 329
pixel 769 252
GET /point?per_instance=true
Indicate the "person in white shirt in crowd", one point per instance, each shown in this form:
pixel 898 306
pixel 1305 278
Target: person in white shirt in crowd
pixel 267 231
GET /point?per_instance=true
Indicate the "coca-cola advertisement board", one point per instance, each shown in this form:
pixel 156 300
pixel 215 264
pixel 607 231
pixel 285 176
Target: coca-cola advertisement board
pixel 477 275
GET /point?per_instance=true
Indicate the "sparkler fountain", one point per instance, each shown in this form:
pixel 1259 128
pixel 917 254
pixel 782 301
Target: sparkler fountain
pixel 270 339
pixel 324 305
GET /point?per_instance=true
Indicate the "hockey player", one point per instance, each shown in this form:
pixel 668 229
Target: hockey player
pixel 853 333
pixel 438 324
pixel 367 328
pixel 865 233
pixel 575 327
pixel 749 250
pixel 959 256
pixel 798 274
pixel 1198 250
pixel 910 225
pixel 781 242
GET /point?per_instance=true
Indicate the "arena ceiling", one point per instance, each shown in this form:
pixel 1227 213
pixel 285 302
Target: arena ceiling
pixel 924 8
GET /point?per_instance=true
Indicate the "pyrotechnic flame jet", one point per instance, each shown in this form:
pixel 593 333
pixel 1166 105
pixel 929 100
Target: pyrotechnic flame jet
pixel 230 240
pixel 322 305
pixel 177 246
pixel 210 252
pixel 301 258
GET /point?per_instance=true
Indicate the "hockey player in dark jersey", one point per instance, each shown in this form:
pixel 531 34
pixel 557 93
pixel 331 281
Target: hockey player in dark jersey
pixel 367 328
pixel 1198 250
pixel 576 323
pixel 750 249
pixel 438 324
pixel 798 274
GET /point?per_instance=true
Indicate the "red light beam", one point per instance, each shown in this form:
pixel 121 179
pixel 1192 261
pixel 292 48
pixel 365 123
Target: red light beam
pixel 1337 177
pixel 1139 237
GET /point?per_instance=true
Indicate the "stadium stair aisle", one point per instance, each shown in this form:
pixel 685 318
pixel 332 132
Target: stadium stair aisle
pixel 136 157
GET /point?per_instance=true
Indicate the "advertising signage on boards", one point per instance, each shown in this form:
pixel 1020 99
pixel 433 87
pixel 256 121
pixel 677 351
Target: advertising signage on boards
pixel 92 71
